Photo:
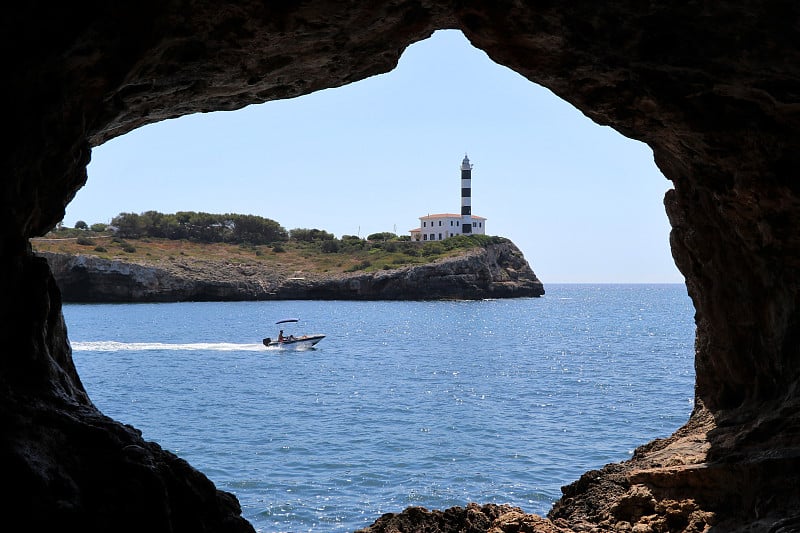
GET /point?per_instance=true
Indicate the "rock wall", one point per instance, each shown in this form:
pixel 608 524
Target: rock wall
pixel 712 87
pixel 496 271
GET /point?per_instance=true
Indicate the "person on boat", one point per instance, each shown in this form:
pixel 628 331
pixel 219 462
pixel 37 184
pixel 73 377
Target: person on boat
pixel 280 336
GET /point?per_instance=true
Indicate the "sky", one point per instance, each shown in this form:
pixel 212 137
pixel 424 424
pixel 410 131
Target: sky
pixel 582 202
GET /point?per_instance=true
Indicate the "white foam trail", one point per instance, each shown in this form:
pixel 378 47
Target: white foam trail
pixel 113 346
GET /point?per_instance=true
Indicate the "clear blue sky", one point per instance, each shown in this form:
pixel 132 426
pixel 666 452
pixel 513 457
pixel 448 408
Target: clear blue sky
pixel 583 203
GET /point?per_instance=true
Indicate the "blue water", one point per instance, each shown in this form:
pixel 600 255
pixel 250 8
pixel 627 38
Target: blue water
pixel 403 403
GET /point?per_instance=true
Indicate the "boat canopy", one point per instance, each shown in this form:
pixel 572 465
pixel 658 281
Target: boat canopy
pixel 287 320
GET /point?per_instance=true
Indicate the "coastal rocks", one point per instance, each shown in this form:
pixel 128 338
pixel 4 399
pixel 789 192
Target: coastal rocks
pixel 494 271
pixel 85 279
pixel 474 518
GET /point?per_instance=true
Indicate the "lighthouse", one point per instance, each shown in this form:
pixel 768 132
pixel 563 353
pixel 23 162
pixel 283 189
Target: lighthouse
pixel 466 196
pixel 450 224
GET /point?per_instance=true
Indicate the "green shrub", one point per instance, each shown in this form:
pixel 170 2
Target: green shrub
pixel 100 249
pixel 360 266
pixel 329 247
pixel 83 241
pixel 351 243
pixel 433 248
pixel 382 236
pixel 310 235
pixel 128 248
pixel 278 249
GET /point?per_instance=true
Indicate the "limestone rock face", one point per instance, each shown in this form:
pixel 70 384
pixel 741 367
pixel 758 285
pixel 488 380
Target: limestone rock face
pixel 712 87
pixel 496 271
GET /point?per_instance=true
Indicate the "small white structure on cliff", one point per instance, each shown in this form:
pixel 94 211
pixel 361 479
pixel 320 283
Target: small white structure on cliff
pixel 442 226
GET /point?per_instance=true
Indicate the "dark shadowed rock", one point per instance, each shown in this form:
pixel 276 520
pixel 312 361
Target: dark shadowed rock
pixel 712 87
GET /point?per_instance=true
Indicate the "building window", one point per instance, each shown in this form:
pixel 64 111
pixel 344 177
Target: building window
pixel 424 223
pixel 440 222
pixel 451 222
pixel 433 236
pixel 440 236
pixel 457 222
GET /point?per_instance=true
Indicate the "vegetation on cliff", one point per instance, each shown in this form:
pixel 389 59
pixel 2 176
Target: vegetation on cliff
pixel 153 238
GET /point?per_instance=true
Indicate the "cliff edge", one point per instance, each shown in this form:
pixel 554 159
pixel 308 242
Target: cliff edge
pixel 493 271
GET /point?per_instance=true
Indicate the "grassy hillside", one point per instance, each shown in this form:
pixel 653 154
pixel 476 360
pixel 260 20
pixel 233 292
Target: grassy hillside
pixel 351 255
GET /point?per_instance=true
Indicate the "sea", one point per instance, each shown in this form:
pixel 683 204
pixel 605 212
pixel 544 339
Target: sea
pixel 420 403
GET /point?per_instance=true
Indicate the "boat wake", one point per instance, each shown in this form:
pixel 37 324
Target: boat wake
pixel 113 346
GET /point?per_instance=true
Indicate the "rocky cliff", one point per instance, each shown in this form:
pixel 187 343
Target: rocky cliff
pixel 494 271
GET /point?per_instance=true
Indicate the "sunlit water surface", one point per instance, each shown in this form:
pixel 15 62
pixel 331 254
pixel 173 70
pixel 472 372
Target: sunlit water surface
pixel 435 404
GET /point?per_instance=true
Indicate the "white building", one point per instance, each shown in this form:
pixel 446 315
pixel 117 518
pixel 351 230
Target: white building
pixel 445 225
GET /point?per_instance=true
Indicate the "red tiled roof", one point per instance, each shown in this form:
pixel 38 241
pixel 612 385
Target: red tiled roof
pixel 448 215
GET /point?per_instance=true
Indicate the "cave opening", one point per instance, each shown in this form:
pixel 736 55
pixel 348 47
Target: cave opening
pixel 710 88
pixel 556 193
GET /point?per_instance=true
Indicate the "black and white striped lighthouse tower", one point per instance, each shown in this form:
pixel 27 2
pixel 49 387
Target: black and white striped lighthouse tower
pixel 466 195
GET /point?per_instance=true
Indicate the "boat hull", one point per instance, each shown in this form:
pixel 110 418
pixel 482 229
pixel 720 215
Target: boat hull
pixel 302 342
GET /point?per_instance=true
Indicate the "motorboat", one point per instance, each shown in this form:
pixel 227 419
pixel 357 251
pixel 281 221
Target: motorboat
pixel 301 342
pixel 295 343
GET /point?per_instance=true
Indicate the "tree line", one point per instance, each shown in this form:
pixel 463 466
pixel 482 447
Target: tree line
pixel 255 230
pixel 228 228
pixel 199 227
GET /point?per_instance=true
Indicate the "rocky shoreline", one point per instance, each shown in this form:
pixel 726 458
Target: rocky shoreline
pixel 494 271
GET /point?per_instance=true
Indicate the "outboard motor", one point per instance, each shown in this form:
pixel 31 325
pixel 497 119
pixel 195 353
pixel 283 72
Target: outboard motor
pixel 267 341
